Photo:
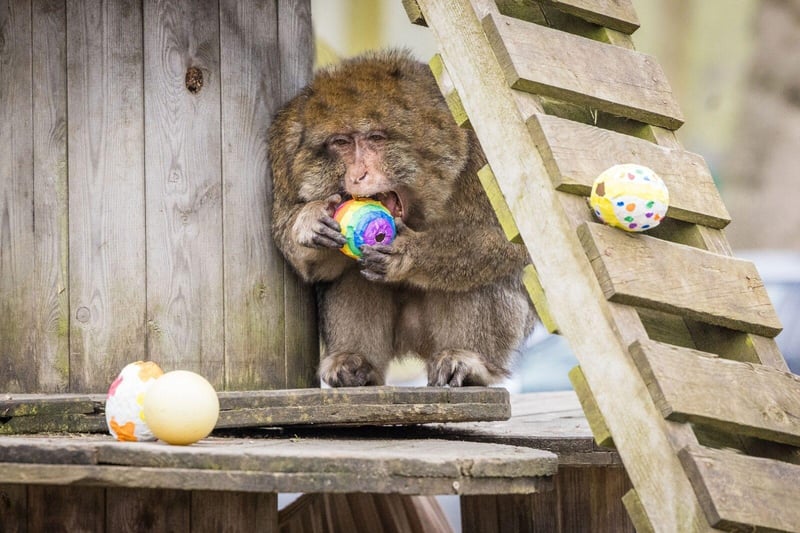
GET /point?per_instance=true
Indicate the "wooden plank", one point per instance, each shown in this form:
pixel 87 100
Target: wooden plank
pixel 737 491
pixel 499 204
pixel 159 511
pixel 234 511
pixel 57 508
pixel 295 407
pixel 106 191
pixel 530 279
pixel 568 67
pixel 296 42
pixel 648 272
pixel 739 398
pixel 637 512
pixel 551 421
pixel 575 298
pixel 446 87
pixel 617 15
pixel 14 508
pixel 602 436
pixel 577 153
pixel 45 404
pixel 184 188
pixel 18 371
pixel 253 267
pixel 51 241
pixel 406 466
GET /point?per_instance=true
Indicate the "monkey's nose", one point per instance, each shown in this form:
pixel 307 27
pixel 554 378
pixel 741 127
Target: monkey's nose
pixel 359 178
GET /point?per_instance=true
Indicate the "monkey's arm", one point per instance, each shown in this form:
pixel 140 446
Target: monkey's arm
pixel 450 260
pixel 309 238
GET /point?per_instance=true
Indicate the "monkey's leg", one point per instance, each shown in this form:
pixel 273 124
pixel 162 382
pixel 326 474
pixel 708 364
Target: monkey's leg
pixel 358 327
pixel 475 333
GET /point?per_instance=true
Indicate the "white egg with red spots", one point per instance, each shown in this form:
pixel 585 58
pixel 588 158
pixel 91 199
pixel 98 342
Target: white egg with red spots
pixel 124 403
pixel 181 407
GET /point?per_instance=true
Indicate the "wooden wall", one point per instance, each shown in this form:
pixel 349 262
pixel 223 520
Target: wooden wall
pixel 134 206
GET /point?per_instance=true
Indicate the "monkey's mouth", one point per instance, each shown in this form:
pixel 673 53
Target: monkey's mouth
pixel 391 200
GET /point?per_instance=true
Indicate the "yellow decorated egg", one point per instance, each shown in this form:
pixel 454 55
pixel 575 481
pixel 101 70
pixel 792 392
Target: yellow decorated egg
pixel 631 197
pixel 181 407
pixel 125 401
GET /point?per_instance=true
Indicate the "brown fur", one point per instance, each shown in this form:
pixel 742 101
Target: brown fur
pixel 448 289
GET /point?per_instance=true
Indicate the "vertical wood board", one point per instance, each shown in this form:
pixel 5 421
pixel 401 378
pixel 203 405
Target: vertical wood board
pixel 640 270
pixel 16 199
pixel 253 267
pixel 106 191
pixel 295 38
pixel 50 210
pixel 184 188
pixel 553 63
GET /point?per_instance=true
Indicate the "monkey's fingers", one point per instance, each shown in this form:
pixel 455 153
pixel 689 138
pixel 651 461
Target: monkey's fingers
pixel 331 202
pixel 328 237
pixel 374 262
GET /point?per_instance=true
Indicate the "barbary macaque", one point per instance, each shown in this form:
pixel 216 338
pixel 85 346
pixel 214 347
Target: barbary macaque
pixel 448 289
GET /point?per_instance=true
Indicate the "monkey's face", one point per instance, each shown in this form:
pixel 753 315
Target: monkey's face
pixel 377 127
pixel 366 173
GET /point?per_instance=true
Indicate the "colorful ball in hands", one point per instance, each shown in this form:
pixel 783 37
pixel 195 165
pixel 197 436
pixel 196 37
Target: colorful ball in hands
pixel 631 197
pixel 364 222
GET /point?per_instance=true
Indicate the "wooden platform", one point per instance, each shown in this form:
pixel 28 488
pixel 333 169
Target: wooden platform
pixel 32 413
pixel 539 467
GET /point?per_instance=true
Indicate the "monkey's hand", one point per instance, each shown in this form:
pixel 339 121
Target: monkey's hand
pixel 389 263
pixel 315 226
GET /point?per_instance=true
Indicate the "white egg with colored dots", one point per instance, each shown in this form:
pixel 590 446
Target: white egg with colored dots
pixel 181 407
pixel 630 196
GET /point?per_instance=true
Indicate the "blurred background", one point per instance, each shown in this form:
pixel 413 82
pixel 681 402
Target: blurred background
pixel 733 65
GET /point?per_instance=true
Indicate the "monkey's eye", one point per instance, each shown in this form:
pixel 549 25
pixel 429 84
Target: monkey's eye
pixel 376 136
pixel 339 141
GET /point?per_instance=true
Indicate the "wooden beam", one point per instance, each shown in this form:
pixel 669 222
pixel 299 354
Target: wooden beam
pixel 576 154
pixel 640 270
pixel 403 466
pixel 553 63
pixel 737 491
pixel 738 398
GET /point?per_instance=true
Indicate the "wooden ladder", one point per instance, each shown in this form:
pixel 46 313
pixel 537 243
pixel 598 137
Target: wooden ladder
pixel 678 366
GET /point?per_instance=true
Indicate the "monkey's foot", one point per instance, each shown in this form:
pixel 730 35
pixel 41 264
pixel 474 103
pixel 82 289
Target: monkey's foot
pixel 462 368
pixel 349 370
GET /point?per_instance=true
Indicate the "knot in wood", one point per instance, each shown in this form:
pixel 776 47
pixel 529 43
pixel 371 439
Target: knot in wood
pixel 194 80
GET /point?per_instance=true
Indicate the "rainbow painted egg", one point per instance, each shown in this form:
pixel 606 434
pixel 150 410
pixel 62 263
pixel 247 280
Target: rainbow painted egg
pixel 364 222
pixel 631 197
pixel 125 401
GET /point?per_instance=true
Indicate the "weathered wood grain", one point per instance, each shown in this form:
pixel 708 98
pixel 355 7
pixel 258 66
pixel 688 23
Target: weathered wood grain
pixel 54 508
pixel 576 154
pixel 575 298
pixel 583 499
pixel 287 465
pixel 446 87
pixel 737 491
pixel 224 511
pixel 106 191
pixel 614 14
pixel 129 509
pixel 253 267
pixel 648 272
pixel 734 397
pixel 50 291
pixel 17 254
pixel 575 69
pixel 369 406
pixel 296 42
pixel 48 404
pixel 184 188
